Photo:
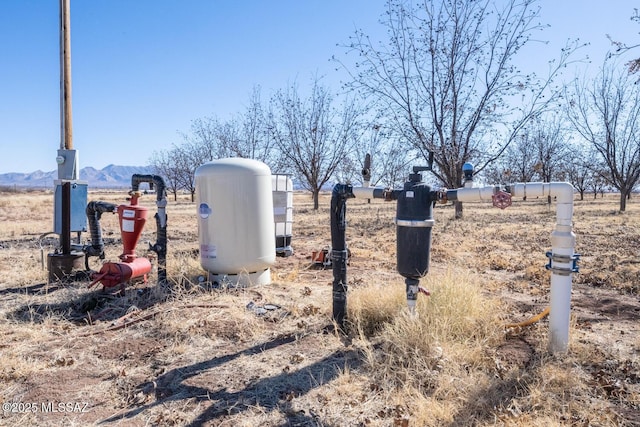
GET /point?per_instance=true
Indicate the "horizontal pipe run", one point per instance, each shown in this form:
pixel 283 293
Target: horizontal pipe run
pixel 369 192
pixel 563 191
pixel 472 194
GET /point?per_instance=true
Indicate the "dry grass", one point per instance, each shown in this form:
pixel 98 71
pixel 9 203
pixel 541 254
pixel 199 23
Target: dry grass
pixel 189 354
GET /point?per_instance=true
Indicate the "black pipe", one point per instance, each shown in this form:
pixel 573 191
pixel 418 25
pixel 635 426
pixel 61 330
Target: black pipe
pixel 160 246
pixel 339 254
pixel 94 212
pixel 152 180
pixel 65 237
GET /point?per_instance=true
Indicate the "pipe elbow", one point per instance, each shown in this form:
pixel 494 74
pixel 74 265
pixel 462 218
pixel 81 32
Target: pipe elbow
pixel 156 180
pixel 562 190
pixel 98 208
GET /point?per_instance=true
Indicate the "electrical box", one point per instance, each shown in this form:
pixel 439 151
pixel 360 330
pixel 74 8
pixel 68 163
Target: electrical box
pixel 68 165
pixel 78 206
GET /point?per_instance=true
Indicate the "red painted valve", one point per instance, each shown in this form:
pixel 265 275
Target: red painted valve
pixel 501 199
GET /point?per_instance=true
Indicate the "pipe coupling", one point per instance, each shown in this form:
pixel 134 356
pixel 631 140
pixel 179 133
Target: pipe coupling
pixel 564 259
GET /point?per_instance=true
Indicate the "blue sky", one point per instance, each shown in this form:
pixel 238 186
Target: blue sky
pixel 142 70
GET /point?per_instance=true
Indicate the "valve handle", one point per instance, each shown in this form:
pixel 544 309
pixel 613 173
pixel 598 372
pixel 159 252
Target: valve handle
pixel 501 199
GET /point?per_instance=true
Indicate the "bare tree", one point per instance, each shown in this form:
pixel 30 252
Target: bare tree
pixel 164 165
pixel 188 158
pixel 390 157
pixel 520 158
pixel 393 163
pixel 598 182
pixel 447 81
pixel 622 47
pixel 311 134
pixel 549 139
pixel 205 138
pixel 202 144
pixel 247 134
pixel 519 162
pixel 579 169
pixel 606 113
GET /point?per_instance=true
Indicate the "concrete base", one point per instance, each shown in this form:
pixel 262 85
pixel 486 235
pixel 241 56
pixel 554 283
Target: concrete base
pixel 241 280
pixel 61 266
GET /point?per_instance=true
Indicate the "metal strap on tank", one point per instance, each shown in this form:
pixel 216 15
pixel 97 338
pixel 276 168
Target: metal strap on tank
pixel 415 223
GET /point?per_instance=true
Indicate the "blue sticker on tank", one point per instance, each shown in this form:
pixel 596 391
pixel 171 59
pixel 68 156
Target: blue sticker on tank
pixel 204 210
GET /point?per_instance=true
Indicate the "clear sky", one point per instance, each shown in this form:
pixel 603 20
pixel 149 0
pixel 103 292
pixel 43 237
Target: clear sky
pixel 142 70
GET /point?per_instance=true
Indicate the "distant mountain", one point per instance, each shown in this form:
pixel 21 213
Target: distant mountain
pixel 111 176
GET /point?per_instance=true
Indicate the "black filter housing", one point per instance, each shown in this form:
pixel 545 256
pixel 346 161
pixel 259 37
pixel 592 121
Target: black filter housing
pixel 414 220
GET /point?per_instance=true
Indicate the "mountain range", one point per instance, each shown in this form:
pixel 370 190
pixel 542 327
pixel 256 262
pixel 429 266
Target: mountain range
pixel 112 176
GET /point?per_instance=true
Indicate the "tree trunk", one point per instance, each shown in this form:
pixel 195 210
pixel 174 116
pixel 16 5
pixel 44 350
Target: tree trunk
pixel 581 194
pixel 316 196
pixel 193 196
pixel 458 206
pixel 623 201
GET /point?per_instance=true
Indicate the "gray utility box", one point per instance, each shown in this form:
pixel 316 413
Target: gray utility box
pixel 78 206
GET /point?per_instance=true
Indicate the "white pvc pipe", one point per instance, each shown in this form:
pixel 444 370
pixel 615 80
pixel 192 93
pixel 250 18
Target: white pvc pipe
pixel 364 192
pixel 563 242
pixel 562 190
pixel 475 194
pixel 562 248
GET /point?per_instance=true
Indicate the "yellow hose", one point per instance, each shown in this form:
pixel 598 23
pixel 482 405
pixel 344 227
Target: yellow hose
pixel 531 321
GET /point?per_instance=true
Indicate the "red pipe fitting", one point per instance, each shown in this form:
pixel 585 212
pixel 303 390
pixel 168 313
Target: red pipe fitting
pixel 132 219
pixel 118 273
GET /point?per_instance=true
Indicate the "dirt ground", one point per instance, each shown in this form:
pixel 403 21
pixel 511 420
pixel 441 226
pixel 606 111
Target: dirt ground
pixel 192 354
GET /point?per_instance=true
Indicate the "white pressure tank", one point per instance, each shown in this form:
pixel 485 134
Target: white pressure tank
pixel 235 221
pixel 282 186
